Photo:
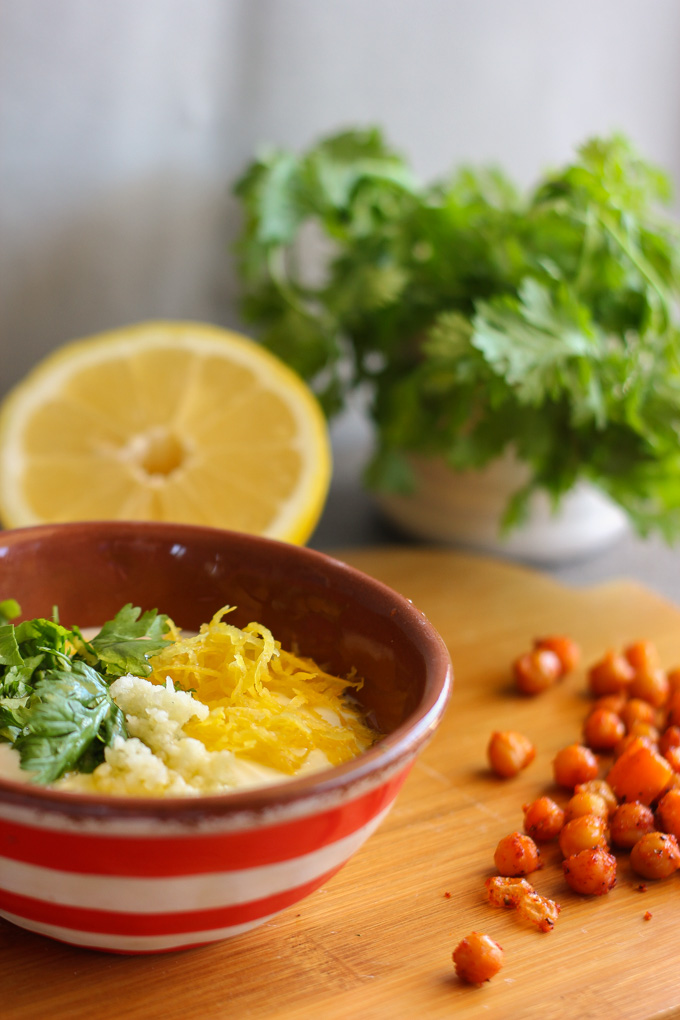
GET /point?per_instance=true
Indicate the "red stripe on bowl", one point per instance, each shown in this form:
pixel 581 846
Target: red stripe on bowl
pixel 162 856
pixel 130 924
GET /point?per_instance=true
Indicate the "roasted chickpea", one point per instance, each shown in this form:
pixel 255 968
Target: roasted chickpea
pixel 517 854
pixel 602 788
pixel 477 958
pixel 668 813
pixel 673 716
pixel 674 680
pixel 603 729
pixel 669 738
pixel 672 756
pixel 655 855
pixel 509 752
pixel 587 803
pixel 651 686
pixel 537 670
pixel 644 729
pixel 638 710
pixel 611 675
pixel 543 819
pixel 591 872
pixel 566 650
pixel 629 822
pixel 574 764
pixel 643 656
pixel 582 833
pixel 612 702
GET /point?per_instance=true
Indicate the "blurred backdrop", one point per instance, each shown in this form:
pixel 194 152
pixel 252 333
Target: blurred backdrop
pixel 123 126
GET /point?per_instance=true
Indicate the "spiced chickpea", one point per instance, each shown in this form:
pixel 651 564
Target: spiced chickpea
pixel 630 821
pixel 517 854
pixel 477 958
pixel 673 707
pixel 566 650
pixel 643 656
pixel 651 686
pixel 655 855
pixel 612 674
pixel 644 729
pixel 543 819
pixel 673 680
pixel 591 872
pixel 602 788
pixel 672 756
pixel 669 738
pixel 587 802
pixel 536 671
pixel 603 729
pixel 509 752
pixel 583 832
pixel 612 702
pixel 637 710
pixel 668 813
pixel 574 764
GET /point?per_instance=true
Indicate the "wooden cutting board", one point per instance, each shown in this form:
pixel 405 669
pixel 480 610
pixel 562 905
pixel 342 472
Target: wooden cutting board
pixel 376 942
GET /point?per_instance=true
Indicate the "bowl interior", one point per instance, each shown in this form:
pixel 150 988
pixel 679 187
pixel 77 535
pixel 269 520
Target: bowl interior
pixel 312 603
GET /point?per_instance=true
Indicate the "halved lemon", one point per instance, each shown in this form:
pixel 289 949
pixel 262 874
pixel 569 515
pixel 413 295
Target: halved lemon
pixel 165 421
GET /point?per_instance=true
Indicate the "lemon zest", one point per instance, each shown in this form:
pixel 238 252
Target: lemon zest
pixel 266 704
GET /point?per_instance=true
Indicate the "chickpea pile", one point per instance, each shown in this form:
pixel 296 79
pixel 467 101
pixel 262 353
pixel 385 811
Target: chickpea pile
pixel 635 719
pixel 623 778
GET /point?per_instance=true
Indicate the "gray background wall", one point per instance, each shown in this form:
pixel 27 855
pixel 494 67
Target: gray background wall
pixel 124 122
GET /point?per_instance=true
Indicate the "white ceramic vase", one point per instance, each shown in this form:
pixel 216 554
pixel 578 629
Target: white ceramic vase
pixel 466 508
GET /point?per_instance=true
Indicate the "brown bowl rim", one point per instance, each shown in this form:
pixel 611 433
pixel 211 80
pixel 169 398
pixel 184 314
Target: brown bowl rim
pixel 396 748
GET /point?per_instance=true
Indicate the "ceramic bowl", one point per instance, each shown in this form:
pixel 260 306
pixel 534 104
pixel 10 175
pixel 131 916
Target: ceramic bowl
pixel 466 508
pixel 137 875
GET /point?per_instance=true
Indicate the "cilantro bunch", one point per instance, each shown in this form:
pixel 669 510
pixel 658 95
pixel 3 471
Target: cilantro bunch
pixel 55 704
pixel 480 320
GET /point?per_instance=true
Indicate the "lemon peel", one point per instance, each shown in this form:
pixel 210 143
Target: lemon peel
pixel 266 704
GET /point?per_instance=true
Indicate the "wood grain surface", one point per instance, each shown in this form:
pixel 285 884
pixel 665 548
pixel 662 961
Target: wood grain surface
pixel 377 940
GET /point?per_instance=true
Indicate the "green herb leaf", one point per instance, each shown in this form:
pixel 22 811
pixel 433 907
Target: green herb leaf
pixel 69 719
pixel 55 705
pixel 124 644
pixel 46 638
pixel 479 319
pixel 9 646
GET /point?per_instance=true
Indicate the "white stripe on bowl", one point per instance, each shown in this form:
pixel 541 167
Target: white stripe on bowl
pixel 133 943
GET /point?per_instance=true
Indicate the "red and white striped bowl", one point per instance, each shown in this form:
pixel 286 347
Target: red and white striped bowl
pixel 149 875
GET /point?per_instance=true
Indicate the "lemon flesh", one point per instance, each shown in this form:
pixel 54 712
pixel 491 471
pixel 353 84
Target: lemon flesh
pixel 165 421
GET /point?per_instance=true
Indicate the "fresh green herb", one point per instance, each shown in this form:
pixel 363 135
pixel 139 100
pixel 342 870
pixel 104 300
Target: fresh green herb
pixel 71 717
pixel 124 643
pixel 480 320
pixel 55 705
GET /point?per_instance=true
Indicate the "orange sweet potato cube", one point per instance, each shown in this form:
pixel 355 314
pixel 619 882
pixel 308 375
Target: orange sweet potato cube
pixel 639 773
